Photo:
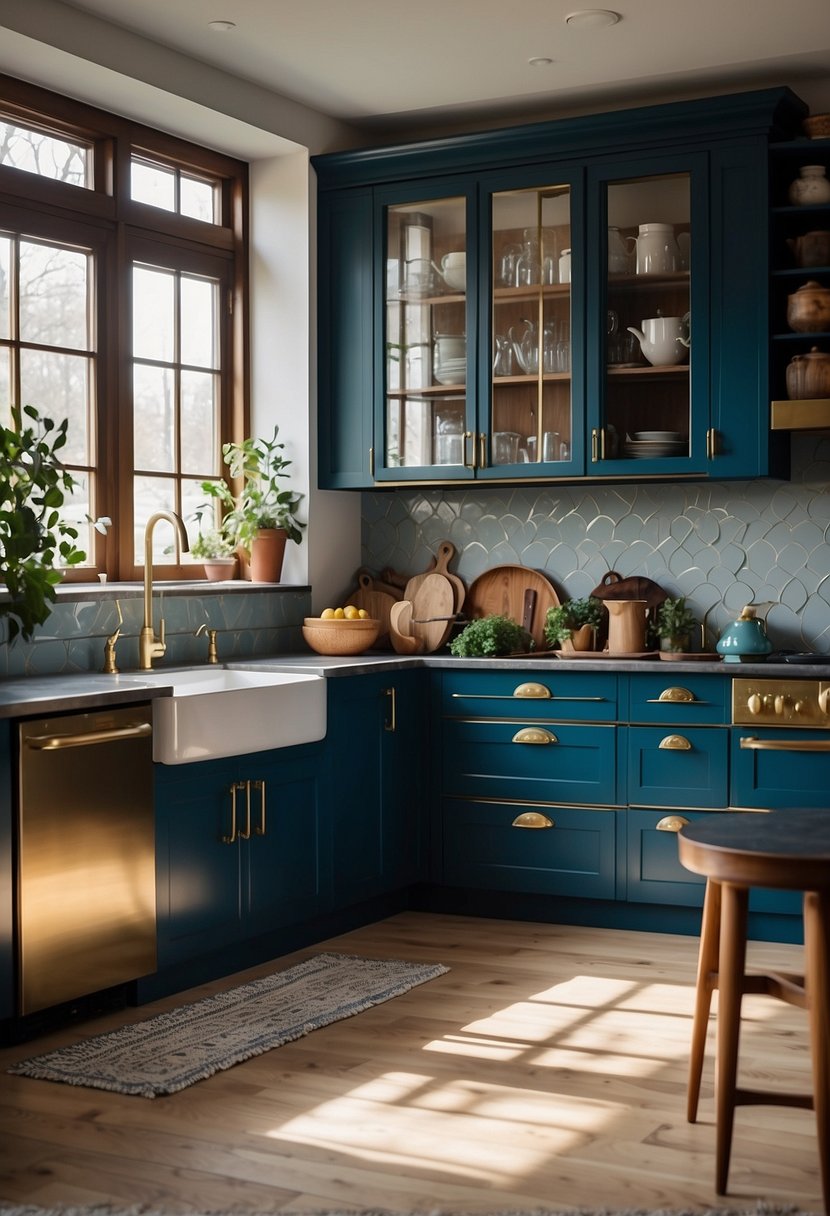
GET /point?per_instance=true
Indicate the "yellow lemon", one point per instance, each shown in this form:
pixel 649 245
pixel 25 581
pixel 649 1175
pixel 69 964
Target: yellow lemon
pixel 363 614
pixel 339 614
pixel 327 614
pixel 351 612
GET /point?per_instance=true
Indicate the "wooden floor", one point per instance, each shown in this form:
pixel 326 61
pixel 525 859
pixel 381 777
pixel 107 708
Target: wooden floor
pixel 548 1068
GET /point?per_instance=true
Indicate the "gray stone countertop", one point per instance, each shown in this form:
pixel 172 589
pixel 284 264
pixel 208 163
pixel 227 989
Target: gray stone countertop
pixel 88 691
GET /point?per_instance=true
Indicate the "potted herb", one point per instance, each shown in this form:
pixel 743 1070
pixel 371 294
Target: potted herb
pixel 491 636
pixel 673 625
pixel 261 517
pixel 573 625
pixel 33 538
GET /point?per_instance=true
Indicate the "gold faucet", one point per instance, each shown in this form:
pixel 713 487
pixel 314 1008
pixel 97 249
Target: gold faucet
pixel 150 646
pixel 213 654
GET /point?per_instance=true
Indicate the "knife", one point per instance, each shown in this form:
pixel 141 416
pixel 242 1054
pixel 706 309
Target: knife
pixel 528 609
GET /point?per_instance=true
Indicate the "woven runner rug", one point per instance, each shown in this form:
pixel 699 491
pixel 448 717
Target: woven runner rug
pixel 761 1209
pixel 173 1050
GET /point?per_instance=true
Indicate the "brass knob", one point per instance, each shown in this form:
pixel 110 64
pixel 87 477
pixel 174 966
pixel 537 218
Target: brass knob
pixel 754 703
pixel 534 734
pixel 675 743
pixel 532 819
pixel 671 823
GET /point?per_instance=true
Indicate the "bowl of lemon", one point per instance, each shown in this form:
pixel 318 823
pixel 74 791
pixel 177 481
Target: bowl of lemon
pixel 341 631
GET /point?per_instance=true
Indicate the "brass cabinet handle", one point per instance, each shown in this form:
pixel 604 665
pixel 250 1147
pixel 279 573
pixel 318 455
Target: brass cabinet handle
pixel 260 786
pixel 674 743
pixel 534 734
pixel 470 464
pixel 53 743
pixel 391 723
pixel 246 786
pixel 531 689
pixel 711 443
pixel 784 745
pixel 234 836
pixel 675 695
pixel 670 823
pixel 594 445
pixel 504 696
pixel 371 462
pixel 532 819
pixel 482 448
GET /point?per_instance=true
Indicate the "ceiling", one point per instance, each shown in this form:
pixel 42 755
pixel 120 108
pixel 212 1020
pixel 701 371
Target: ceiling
pixel 388 64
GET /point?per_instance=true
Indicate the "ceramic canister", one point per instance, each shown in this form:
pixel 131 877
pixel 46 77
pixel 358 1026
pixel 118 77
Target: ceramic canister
pixel 808 309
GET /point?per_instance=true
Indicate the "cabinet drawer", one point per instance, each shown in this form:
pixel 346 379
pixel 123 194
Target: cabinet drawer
pixel 655 875
pixel 560 695
pixel 676 699
pixel 573 764
pixel 783 771
pixel 573 856
pixel 678 766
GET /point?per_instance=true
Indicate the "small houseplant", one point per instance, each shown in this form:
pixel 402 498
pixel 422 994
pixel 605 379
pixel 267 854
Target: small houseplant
pixel 491 636
pixel 261 517
pixel 573 625
pixel 34 540
pixel 212 546
pixel 673 625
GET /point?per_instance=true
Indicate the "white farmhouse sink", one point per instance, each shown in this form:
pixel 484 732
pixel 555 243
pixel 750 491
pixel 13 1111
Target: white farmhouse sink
pixel 230 713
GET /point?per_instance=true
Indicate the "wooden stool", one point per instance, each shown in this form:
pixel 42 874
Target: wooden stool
pixel 785 850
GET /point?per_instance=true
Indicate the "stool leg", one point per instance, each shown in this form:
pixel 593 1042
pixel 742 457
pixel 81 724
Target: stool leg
pixel 730 990
pixel 817 983
pixel 707 967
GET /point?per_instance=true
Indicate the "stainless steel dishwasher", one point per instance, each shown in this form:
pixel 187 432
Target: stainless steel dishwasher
pixel 86 899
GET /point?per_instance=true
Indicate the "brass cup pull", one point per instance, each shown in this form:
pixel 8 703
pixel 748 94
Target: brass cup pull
pixel 671 823
pixel 534 734
pixel 532 690
pixel 532 819
pixel 675 743
pixel 676 695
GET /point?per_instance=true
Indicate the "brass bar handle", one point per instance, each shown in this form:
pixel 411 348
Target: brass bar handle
pixel 246 785
pixel 532 690
pixel 671 823
pixel 594 445
pixel 260 786
pixel 535 735
pixel 674 743
pixel 372 462
pixel 234 836
pixel 677 696
pixel 470 436
pixel 391 723
pixel 784 745
pixel 53 743
pixel 511 696
pixel 711 443
pixel 532 819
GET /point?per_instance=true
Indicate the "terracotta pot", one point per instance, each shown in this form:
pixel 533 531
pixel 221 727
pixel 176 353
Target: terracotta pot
pixel 808 309
pixel 267 552
pixel 808 376
pixel 218 569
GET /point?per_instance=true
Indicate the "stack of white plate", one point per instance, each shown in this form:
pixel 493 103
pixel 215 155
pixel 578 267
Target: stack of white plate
pixel 451 371
pixel 645 445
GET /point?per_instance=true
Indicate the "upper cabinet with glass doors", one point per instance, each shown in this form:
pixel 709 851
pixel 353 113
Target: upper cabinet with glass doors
pixel 575 299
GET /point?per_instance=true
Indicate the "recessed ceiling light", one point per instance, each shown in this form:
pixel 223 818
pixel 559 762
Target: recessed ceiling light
pixel 592 18
pixel 539 61
pixel 221 27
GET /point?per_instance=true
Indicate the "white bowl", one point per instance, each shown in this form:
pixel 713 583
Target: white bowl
pixel 455 277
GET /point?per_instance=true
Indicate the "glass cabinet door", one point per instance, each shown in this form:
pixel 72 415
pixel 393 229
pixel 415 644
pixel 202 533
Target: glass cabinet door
pixel 644 351
pixel 531 402
pixel 425 366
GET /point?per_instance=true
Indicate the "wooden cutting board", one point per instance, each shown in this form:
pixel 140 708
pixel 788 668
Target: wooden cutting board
pixel 377 603
pixel 501 591
pixel 446 552
pixel 433 611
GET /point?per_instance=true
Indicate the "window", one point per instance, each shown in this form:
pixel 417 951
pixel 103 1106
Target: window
pixel 122 308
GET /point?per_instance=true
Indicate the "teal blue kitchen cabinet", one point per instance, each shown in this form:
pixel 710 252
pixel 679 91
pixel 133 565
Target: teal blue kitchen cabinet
pixel 478 295
pixel 7 984
pixel 375 783
pixel 241 850
pixel 764 763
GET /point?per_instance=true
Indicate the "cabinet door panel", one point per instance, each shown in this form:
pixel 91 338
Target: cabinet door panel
pixel 671 699
pixel 573 856
pixel 567 695
pixel 764 777
pixel 678 766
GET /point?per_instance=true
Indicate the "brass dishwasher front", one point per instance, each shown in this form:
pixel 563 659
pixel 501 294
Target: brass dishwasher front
pixel 86 896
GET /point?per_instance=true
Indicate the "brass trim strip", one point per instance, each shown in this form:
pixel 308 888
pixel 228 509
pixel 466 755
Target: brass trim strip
pixel 750 743
pixel 53 743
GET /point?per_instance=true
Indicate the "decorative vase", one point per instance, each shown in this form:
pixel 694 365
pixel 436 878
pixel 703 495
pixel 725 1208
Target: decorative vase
pixel 219 569
pixel 267 551
pixel 581 638
pixel 810 187
pixel 626 626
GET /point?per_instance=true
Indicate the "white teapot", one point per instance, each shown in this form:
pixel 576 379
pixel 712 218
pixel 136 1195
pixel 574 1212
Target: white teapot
pixel 663 340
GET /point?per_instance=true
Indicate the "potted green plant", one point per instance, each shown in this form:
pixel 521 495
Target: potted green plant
pixel 673 625
pixel 261 516
pixel 573 625
pixel 34 540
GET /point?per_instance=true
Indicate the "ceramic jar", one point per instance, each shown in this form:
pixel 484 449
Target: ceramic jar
pixel 811 248
pixel 810 187
pixel 808 376
pixel 808 309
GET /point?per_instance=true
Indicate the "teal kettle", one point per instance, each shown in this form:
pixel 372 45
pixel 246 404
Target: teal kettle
pixel 745 639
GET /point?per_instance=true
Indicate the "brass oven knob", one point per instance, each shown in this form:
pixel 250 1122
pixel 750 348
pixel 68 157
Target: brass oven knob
pixel 782 703
pixel 754 704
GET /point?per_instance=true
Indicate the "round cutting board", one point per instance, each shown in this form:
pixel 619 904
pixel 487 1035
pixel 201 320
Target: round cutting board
pixel 501 591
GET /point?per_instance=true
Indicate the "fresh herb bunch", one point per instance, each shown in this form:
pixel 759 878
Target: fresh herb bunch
pixel 491 636
pixel 563 619
pixel 675 621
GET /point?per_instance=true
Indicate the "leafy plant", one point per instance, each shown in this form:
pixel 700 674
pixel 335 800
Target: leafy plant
pixel 675 622
pixel 33 487
pixel 491 635
pixel 211 543
pixel 262 501
pixel 563 619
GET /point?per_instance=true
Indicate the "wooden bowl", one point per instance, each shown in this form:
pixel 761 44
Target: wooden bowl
pixel 340 637
pixel 817 126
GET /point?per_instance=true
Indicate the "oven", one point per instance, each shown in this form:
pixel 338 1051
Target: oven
pixel 780 746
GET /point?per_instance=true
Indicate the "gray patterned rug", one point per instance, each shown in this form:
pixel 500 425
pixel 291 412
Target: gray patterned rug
pixel 173 1050
pixel 761 1209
